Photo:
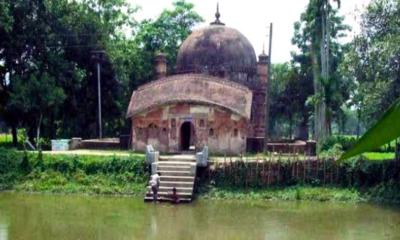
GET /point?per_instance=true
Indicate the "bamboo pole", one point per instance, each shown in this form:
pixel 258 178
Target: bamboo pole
pixel 324 162
pixel 268 173
pixel 337 172
pixel 263 170
pixel 292 165
pixel 224 166
pixel 257 173
pixel 278 165
pixel 332 165
pixel 304 171
pixel 230 165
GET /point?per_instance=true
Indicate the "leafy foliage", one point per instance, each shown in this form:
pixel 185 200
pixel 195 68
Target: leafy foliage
pixel 373 61
pixel 325 94
pixel 9 160
pixel 288 93
pixel 316 36
pixel 48 85
pixel 345 142
pixel 293 193
pixel 374 64
pixel 69 174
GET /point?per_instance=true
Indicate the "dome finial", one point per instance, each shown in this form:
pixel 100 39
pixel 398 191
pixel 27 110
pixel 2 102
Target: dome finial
pixel 217 16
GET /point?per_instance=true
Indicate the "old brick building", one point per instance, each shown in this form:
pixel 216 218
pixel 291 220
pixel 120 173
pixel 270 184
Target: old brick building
pixel 216 98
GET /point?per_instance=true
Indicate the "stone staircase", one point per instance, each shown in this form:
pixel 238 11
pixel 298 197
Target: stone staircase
pixel 177 171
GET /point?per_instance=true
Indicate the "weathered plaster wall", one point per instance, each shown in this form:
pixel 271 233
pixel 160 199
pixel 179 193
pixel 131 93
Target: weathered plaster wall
pixel 222 131
pixel 198 88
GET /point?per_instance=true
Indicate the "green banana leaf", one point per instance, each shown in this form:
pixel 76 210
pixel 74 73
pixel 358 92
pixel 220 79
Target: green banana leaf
pixel 384 131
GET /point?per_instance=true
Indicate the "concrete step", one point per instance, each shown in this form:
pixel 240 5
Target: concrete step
pixel 164 199
pixel 163 167
pixel 175 172
pixel 178 157
pixel 176 184
pixel 175 164
pixel 168 194
pixel 169 189
pixel 177 178
pixel 175 159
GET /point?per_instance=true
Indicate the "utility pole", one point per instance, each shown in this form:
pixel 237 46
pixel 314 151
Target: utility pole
pixel 266 136
pixel 98 57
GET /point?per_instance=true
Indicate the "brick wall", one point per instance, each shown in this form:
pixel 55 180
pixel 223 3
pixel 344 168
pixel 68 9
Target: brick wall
pixel 221 130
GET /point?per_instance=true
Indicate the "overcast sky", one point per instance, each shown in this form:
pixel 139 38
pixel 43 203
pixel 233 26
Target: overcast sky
pixel 252 17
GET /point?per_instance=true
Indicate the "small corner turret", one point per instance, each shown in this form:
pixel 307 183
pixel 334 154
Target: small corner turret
pixel 160 65
pixel 262 67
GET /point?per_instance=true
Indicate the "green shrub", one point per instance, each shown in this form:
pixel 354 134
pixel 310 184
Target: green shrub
pixel 10 160
pixel 25 164
pixel 72 174
pixel 346 142
pixel 95 164
pixel 6 140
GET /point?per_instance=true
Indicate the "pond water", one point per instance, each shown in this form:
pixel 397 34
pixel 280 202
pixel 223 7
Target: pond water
pixel 24 216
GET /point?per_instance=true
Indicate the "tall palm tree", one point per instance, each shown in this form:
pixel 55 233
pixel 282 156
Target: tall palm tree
pixel 320 48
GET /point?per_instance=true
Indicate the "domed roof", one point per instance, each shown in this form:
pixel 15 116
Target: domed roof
pixel 214 49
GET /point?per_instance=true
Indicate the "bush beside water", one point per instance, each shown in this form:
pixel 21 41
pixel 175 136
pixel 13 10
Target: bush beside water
pixel 72 174
pixel 357 179
pixel 292 193
pixel 361 180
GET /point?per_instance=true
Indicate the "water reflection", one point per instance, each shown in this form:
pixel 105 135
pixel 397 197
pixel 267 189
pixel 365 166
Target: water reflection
pixel 3 231
pixel 34 217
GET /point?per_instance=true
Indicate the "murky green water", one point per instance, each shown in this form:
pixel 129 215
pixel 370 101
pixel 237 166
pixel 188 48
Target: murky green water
pixel 43 217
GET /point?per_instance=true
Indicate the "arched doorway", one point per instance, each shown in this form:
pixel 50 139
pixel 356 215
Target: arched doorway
pixel 187 135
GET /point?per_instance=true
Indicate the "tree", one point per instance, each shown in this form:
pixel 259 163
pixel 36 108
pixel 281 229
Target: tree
pixel 165 34
pixel 34 96
pixel 288 95
pixel 373 61
pixel 374 64
pixel 48 85
pixel 51 41
pixel 6 19
pixel 316 36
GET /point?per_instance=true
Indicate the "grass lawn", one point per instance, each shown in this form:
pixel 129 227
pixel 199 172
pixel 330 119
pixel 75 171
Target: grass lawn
pixel 260 158
pixel 88 152
pixel 5 140
pixel 379 156
pixel 290 193
pixel 5 137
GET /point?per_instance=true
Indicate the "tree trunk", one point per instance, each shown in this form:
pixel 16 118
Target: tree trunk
pixel 14 134
pixel 321 124
pixel 38 132
pixel 303 129
pixel 52 126
pixel 329 124
pixel 342 125
pixel 319 107
pixel 358 122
